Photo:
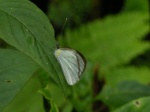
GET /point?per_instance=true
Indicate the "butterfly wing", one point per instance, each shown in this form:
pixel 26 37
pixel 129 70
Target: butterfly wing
pixel 81 62
pixel 72 64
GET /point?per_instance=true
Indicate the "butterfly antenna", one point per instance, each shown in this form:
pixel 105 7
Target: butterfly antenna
pixel 57 43
pixel 64 26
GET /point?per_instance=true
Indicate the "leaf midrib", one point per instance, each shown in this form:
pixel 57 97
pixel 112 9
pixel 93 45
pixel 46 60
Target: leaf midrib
pixel 38 42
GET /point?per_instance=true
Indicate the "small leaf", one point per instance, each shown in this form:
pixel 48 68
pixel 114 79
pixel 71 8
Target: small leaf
pixel 123 93
pixel 46 92
pixel 47 95
pixel 53 107
pixel 138 105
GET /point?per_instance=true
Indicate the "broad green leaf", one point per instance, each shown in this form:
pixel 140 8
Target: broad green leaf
pixel 25 27
pixel 138 105
pixel 28 99
pixel 15 71
pixel 123 93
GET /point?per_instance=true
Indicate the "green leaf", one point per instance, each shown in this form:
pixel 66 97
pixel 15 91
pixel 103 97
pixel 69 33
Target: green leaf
pixel 123 93
pixel 53 107
pixel 15 70
pixel 138 105
pixel 28 99
pixel 47 94
pixel 51 93
pixel 27 28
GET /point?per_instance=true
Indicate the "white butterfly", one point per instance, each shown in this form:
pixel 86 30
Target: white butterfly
pixel 72 64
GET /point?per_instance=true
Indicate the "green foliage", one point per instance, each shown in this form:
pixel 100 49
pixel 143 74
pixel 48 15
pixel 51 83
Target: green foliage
pixel 74 10
pixel 28 31
pixel 78 92
pixel 29 71
pixel 138 105
pixel 83 92
pixel 15 70
pixel 123 93
pixel 47 95
pixel 140 74
pixel 26 28
pixel 27 99
pixel 136 5
pixel 111 43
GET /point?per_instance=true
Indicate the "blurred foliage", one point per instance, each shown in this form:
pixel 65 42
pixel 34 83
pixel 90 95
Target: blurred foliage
pixel 112 47
pixel 111 43
pixel 136 5
pixel 131 90
pixel 31 101
pixel 25 27
pixel 138 105
pixel 76 93
pixel 75 10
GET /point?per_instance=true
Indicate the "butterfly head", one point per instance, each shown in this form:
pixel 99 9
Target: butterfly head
pixel 57 52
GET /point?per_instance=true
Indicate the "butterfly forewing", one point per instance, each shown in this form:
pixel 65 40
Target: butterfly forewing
pixel 72 64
